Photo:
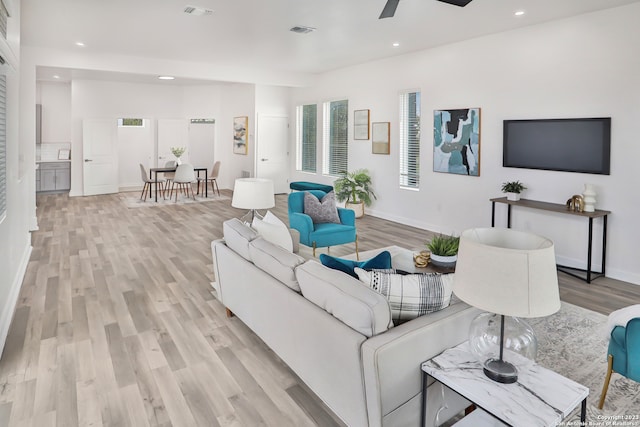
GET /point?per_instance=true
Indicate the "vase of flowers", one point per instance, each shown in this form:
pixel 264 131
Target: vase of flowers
pixel 178 152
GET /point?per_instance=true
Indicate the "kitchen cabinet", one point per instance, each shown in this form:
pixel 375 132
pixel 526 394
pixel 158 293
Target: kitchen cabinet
pixel 53 176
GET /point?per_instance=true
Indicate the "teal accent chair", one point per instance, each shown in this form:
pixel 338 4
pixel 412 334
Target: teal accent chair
pixel 321 235
pixel 623 355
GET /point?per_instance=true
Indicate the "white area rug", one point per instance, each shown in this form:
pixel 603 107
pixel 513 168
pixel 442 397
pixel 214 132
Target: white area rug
pixel 573 342
pixel 132 200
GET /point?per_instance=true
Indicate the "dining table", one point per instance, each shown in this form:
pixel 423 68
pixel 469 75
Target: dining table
pixel 153 174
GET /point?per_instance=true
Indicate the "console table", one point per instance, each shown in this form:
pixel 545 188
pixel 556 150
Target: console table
pixel 586 275
pixel 539 398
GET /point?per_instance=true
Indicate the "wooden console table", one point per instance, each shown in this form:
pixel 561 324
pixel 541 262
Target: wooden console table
pixel 586 275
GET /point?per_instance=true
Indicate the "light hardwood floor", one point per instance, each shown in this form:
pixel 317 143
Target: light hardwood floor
pixel 116 324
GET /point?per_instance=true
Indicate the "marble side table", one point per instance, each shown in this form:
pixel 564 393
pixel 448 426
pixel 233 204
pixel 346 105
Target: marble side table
pixel 539 398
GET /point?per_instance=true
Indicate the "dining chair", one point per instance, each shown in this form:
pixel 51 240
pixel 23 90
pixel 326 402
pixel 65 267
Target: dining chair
pixel 168 176
pixel 184 177
pixel 148 182
pixel 212 178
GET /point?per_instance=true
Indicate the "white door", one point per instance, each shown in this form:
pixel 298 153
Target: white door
pixel 201 144
pixel 272 151
pixel 100 154
pixel 172 133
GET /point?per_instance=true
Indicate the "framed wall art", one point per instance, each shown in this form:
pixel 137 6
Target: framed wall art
pixel 240 131
pixel 361 124
pixel 456 141
pixel 380 138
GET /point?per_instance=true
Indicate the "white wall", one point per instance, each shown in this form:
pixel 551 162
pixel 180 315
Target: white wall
pixel 580 67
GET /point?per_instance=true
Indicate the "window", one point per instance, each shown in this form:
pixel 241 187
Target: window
pixel 410 140
pixel 306 128
pixel 131 122
pixel 335 137
pixel 3 146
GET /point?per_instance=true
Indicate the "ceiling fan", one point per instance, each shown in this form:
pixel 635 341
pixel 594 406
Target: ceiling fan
pixel 391 6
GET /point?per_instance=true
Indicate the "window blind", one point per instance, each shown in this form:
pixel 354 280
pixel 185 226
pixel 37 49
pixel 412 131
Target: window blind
pixel 410 139
pixel 3 146
pixel 307 130
pixel 335 137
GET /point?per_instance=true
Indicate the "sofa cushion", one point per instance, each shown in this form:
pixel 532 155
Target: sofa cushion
pixel 378 262
pixel 271 228
pixel 344 297
pixel 237 236
pixel 410 295
pixel 321 211
pixel 276 261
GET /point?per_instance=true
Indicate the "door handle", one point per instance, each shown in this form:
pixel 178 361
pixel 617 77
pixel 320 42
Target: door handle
pixel 88 160
pixel 264 160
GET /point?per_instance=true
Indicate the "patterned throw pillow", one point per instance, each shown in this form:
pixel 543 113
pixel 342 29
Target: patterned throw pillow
pixel 410 295
pixel 321 211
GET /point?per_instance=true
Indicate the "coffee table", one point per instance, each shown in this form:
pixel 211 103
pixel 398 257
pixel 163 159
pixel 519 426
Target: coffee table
pixel 539 398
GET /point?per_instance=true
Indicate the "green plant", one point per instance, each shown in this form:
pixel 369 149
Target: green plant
pixel 354 187
pixel 178 151
pixel 444 245
pixel 513 187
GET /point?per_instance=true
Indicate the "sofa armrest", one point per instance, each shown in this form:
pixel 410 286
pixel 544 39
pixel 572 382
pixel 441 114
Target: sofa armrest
pixel 302 223
pixel 392 360
pixel 347 216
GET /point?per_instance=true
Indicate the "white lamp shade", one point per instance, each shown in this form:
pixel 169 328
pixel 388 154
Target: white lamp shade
pixel 253 193
pixel 507 272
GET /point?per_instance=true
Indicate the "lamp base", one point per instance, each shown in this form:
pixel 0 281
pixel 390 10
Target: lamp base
pixel 500 371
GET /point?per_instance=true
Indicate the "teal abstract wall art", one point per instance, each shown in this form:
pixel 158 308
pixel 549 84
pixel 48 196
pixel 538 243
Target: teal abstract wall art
pixel 456 141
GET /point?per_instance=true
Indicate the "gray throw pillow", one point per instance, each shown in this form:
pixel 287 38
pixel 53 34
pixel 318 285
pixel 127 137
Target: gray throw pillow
pixel 321 211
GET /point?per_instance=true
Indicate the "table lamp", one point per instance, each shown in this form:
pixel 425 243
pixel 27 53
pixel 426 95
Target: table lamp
pixel 508 273
pixel 253 194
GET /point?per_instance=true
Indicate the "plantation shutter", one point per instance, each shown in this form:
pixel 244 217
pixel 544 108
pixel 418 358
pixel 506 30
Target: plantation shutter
pixel 410 140
pixel 307 117
pixel 336 137
pixel 3 146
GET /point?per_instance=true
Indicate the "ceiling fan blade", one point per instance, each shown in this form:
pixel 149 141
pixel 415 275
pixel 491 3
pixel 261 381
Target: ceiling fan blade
pixel 389 9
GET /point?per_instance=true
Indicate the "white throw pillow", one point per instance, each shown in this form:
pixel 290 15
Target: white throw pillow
pixel 273 230
pixel 410 295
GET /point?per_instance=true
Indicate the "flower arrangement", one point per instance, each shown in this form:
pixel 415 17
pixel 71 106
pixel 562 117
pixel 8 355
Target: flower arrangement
pixel 178 151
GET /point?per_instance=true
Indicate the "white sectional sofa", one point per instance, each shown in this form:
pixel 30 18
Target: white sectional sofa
pixel 335 333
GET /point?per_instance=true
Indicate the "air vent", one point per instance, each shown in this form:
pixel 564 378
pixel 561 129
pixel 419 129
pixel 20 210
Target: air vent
pixel 301 29
pixel 197 11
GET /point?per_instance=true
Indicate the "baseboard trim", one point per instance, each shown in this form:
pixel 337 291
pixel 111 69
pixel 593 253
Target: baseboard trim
pixel 10 307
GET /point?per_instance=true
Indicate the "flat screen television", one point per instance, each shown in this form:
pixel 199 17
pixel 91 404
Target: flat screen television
pixel 568 145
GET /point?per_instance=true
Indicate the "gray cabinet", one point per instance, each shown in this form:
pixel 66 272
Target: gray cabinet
pixel 53 176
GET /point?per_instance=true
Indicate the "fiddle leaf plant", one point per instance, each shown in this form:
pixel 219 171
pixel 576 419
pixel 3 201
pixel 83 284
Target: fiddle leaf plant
pixel 354 187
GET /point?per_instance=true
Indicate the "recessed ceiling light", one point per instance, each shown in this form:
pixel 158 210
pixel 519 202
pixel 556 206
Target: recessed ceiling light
pixel 396 44
pixel 519 13
pixel 56 76
pixel 166 77
pixel 80 44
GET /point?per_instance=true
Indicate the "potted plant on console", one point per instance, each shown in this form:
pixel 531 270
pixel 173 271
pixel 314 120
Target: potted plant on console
pixel 355 188
pixel 444 250
pixel 513 190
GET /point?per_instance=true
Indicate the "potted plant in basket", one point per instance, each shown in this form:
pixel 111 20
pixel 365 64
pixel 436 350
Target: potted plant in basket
pixel 444 250
pixel 354 188
pixel 513 189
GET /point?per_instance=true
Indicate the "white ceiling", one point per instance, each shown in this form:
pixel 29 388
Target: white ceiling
pixel 255 33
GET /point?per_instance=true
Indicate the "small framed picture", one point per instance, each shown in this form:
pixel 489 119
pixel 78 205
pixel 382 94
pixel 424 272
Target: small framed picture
pixel 64 154
pixel 361 124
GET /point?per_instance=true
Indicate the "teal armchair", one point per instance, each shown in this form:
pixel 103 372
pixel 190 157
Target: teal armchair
pixel 322 235
pixel 623 355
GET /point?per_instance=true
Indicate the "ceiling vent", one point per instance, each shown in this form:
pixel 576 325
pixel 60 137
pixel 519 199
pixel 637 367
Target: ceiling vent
pixel 197 11
pixel 301 29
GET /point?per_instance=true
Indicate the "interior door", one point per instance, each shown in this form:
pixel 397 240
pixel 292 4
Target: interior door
pixel 172 133
pixel 100 154
pixel 272 151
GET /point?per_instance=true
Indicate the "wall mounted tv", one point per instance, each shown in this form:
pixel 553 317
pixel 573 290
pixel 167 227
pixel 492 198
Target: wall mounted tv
pixel 568 145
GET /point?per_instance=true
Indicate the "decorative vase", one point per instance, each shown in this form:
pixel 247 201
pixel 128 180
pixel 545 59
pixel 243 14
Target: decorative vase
pixel 444 261
pixel 589 196
pixel 178 161
pixel 514 197
pixel 358 208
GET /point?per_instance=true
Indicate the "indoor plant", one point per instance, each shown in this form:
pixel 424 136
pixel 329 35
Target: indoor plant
pixel 444 250
pixel 178 151
pixel 354 188
pixel 513 189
